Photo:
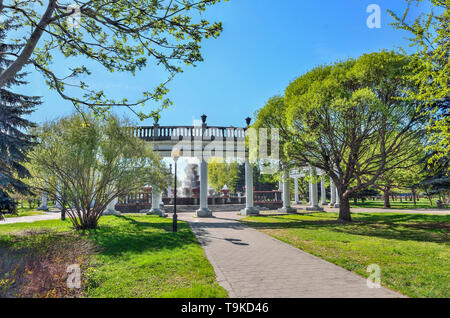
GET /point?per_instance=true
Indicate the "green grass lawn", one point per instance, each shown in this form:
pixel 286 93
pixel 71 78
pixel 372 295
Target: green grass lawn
pixel 412 250
pixel 405 204
pixel 24 211
pixel 135 256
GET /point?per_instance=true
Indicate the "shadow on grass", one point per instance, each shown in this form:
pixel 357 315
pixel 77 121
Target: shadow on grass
pixel 134 235
pixel 405 205
pixel 416 227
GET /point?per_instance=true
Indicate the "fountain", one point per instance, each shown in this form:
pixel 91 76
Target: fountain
pixel 190 186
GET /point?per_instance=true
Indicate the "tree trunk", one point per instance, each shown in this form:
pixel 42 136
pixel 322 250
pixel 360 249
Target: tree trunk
pixel 355 200
pixel 414 195
pixel 89 223
pixel 387 204
pixel 344 205
pixel 344 209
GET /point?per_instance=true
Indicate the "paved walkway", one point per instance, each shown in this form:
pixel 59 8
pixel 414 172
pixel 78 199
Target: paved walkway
pixel 249 263
pixel 32 218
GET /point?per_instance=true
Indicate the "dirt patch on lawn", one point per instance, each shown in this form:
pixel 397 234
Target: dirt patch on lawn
pixel 43 264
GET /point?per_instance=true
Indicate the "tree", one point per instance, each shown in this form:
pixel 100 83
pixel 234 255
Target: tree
pixel 85 164
pixel 261 182
pixel 273 115
pixel 222 173
pixel 431 39
pixel 352 120
pixel 119 35
pixel 436 179
pixel 405 176
pixel 14 142
pixel 363 194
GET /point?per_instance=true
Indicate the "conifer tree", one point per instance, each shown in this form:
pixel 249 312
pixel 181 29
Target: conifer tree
pixel 14 140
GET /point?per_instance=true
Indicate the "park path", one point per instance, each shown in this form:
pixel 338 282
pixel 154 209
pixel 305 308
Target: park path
pixel 32 218
pixel 251 264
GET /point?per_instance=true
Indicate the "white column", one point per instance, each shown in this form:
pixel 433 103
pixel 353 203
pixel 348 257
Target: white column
pixel 338 201
pixel 161 202
pixel 58 196
pixel 203 211
pixel 156 197
pixel 43 206
pixel 296 199
pixel 323 192
pixel 314 204
pixel 310 193
pixel 169 190
pixel 249 208
pixel 286 194
pixel 332 192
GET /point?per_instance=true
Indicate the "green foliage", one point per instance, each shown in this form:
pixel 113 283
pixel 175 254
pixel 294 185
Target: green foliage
pixel 261 182
pixel 405 175
pixel 353 120
pixel 436 178
pixel 431 38
pixel 120 36
pixel 221 173
pixel 95 161
pixel 273 115
pixel 14 141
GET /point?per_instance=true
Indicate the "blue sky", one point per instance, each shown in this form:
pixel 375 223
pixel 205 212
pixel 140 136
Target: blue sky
pixel 265 45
